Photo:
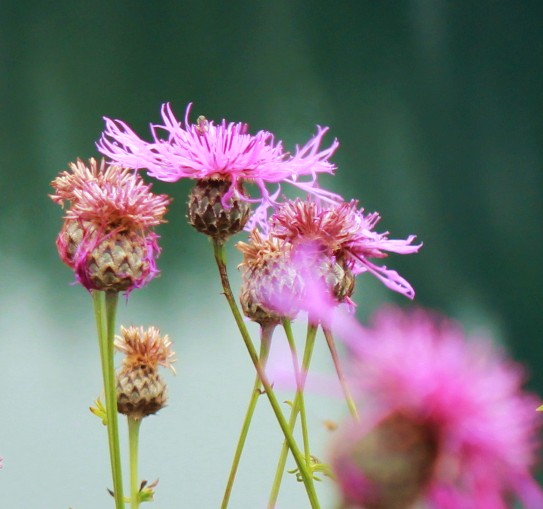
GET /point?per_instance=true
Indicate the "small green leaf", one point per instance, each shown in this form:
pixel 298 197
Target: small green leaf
pixel 99 410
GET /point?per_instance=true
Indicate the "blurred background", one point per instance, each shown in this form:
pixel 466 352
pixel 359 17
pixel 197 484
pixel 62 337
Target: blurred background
pixel 438 109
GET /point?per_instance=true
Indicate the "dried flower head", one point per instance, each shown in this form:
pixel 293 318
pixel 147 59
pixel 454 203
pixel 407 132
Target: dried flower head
pixel 140 389
pixel 444 420
pixel 107 238
pixel 261 249
pixel 344 232
pixel 145 346
pixel 68 183
pixel 224 151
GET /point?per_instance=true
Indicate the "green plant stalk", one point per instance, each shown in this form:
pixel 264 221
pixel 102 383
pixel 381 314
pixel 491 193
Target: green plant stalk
pixel 133 442
pixel 341 376
pixel 299 389
pixel 105 307
pixel 219 252
pixel 265 340
pixel 296 407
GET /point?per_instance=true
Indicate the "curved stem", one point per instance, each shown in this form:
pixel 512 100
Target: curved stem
pixel 339 370
pixel 265 339
pixel 296 407
pixel 219 252
pixel 105 307
pixel 133 442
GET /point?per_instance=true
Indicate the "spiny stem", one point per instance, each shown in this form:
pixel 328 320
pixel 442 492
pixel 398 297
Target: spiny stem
pixel 133 442
pixel 265 339
pixel 305 473
pixel 296 407
pixel 339 370
pixel 105 307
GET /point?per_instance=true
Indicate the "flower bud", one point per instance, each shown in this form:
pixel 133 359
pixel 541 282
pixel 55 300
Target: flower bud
pixel 140 389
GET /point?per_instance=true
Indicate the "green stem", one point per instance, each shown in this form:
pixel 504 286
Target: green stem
pixel 341 376
pixel 299 397
pixel 266 334
pixel 105 307
pixel 133 442
pixel 296 407
pixel 305 473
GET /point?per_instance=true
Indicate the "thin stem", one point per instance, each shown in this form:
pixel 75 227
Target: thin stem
pixel 265 339
pixel 339 370
pixel 105 307
pixel 133 442
pixel 296 407
pixel 299 397
pixel 305 473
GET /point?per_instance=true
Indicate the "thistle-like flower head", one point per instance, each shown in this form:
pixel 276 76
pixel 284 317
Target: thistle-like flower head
pixel 343 231
pixel 107 236
pixel 272 286
pixel 446 411
pixel 140 389
pixel 224 151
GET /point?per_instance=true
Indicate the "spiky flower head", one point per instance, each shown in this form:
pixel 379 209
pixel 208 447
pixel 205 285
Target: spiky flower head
pixel 140 389
pixel 224 151
pixel 145 346
pixel 107 236
pixel 343 231
pixel 272 286
pixel 443 420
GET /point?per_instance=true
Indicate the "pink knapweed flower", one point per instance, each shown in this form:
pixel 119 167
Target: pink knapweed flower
pixel 224 151
pixel 107 236
pixel 443 420
pixel 343 231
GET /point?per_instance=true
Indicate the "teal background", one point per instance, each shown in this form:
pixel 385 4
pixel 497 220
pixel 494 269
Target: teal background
pixel 438 109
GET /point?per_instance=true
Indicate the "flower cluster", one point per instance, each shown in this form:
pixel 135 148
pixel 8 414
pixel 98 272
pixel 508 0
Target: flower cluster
pixel 443 419
pixel 222 158
pixel 107 236
pixel 308 242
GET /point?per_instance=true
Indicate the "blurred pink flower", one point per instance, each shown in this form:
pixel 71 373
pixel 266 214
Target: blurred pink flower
pixel 224 151
pixel 443 419
pixel 344 232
